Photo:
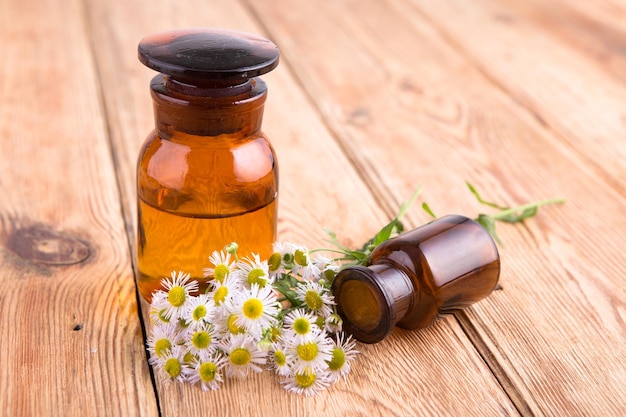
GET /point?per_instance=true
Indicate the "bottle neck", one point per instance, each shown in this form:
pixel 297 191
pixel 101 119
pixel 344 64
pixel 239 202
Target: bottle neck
pixel 209 110
pixel 399 287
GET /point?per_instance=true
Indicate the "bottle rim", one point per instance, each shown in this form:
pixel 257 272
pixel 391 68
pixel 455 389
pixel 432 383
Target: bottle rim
pixel 366 282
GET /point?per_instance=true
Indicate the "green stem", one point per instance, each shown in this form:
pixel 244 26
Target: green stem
pixel 505 213
pixel 343 252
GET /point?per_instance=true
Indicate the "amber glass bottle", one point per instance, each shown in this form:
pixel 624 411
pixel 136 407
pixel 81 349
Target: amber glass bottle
pixel 207 175
pixel 443 266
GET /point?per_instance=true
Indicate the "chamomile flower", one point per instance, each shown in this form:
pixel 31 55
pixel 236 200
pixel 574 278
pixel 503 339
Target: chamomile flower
pixel 229 325
pixel 343 352
pixel 222 266
pixel 207 372
pixel 301 325
pixel 274 332
pixel 256 309
pixel 254 271
pixel 281 260
pixel 315 297
pixel 200 310
pixel 158 308
pixel 327 267
pixel 242 355
pixel 278 360
pixel 222 292
pixel 307 381
pixel 201 342
pixel 162 340
pixel 333 323
pixel 178 290
pixel 312 353
pixel 171 365
pixel 302 264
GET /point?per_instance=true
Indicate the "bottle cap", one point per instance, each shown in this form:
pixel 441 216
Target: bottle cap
pixel 208 56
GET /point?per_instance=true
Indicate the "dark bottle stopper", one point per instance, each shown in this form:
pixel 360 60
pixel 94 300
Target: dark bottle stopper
pixel 208 58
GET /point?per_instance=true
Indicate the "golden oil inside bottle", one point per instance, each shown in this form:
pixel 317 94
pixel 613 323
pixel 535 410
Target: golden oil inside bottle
pixel 171 242
pixel 361 305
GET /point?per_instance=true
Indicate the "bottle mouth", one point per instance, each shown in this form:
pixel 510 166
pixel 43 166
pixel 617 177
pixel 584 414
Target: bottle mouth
pixel 365 306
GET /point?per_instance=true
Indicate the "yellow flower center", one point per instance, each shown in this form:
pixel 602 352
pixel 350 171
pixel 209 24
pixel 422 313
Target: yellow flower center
pixel 173 367
pixel 280 358
pixel 274 261
pixel 232 325
pixel 252 308
pixel 313 300
pixel 329 274
pixel 207 371
pixel 257 276
pixel 220 295
pixel 240 356
pixel 339 358
pixel 301 258
pixel 161 347
pixel 162 316
pixel 307 351
pixel 305 379
pixel 274 334
pixel 189 357
pixel 220 272
pixel 301 326
pixel 201 340
pixel 176 296
pixel 199 312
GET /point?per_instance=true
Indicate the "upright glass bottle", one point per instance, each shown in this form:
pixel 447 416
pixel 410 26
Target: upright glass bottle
pixel 410 280
pixel 206 175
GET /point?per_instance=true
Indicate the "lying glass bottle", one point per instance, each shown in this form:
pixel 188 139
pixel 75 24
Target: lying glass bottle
pixel 438 268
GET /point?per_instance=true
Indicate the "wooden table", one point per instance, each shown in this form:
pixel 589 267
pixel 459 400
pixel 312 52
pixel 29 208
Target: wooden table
pixel 526 99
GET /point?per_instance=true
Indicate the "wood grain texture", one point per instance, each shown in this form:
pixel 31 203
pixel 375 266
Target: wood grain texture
pixel 319 188
pixel 566 67
pixel 525 99
pixel 69 322
pixel 557 329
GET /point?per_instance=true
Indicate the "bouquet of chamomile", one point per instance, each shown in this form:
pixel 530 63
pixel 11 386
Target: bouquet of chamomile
pixel 276 314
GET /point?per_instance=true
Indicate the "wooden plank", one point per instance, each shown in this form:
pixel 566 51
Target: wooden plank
pixel 596 28
pixel 319 188
pixel 72 343
pixel 565 66
pixel 390 85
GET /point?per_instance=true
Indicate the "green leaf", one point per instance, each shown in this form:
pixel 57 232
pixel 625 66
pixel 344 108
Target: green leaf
pixel 385 233
pixel 489 224
pixel 427 209
pixel 395 225
pixel 405 206
pixel 286 291
pixel 482 200
pixel 516 218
